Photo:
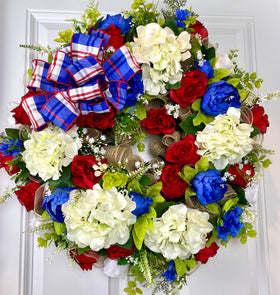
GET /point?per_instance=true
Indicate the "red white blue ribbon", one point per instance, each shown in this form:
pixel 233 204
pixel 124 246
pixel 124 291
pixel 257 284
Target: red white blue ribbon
pixel 79 81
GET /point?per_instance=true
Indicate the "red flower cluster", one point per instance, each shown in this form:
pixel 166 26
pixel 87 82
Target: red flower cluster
pixel 199 28
pixel 4 163
pixel 204 254
pixel 183 152
pixel 173 186
pixel 85 260
pixel 193 85
pixel 159 122
pixel 96 120
pixel 83 172
pixel 115 252
pixel 260 120
pixel 26 195
pixel 242 176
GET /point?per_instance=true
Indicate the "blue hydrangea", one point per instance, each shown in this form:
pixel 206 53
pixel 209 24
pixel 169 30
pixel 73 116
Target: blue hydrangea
pixel 53 203
pixel 10 147
pixel 231 224
pixel 219 97
pixel 209 186
pixel 142 204
pixel 171 272
pixel 118 20
pixel 205 68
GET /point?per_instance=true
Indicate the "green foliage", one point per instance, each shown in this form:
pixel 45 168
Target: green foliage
pixel 240 194
pixel 255 132
pixel 82 250
pixel 180 267
pixel 245 232
pixel 171 23
pixel 213 238
pixel 258 158
pixel 229 204
pixel 64 37
pixel 162 207
pixel 188 126
pixel 140 111
pixel 172 5
pixel 59 227
pixel 215 208
pixel 65 179
pixel 116 179
pixel 169 86
pixel 12 133
pixel 145 180
pixel 219 74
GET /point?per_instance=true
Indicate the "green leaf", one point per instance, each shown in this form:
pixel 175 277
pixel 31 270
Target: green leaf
pixel 243 240
pixel 140 111
pixel 202 165
pixel 145 180
pixel 213 62
pixel 128 245
pixel 154 190
pixel 196 105
pixel 234 81
pixel 180 267
pixel 59 227
pixel 152 213
pixel 255 132
pixel 30 72
pixel 134 186
pixel 64 179
pixel 212 238
pixel 189 193
pixel 240 194
pixel 157 199
pixel 169 86
pixel 188 126
pixel 122 261
pixel 127 290
pixel 82 250
pixel 229 204
pixel 171 23
pixel 242 93
pixel 131 284
pixel 137 242
pixel 139 291
pixel 12 133
pixel 213 207
pixel 140 229
pixel 45 215
pixel 42 242
pixel 188 174
pixel 219 74
pixel 190 263
pixel 252 233
pixel 266 163
pixel 210 53
pixel 253 76
pixel 202 118
pixel 163 207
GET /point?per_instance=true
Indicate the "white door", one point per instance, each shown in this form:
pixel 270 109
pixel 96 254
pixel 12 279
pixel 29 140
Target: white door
pixel 253 27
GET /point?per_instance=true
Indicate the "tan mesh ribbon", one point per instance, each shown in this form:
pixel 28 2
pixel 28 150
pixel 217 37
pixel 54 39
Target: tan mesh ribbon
pixel 94 133
pixel 167 140
pixel 193 203
pixel 24 128
pixel 38 201
pixel 246 115
pixel 230 194
pixel 157 148
pixel 156 103
pixel 157 161
pixel 184 113
pixel 118 153
pixel 187 64
pixel 131 166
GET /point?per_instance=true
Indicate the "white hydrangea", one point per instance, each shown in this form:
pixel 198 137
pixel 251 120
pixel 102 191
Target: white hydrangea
pixel 47 151
pixel 225 140
pixel 98 218
pixel 179 233
pixel 160 53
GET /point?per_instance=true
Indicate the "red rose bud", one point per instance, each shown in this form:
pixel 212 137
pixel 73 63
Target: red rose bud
pixel 84 174
pixel 20 115
pixel 4 163
pixel 26 195
pixel 115 252
pixel 241 174
pixel 193 85
pixel 173 186
pixel 260 120
pixel 183 152
pixel 199 28
pixel 85 260
pixel 116 40
pixel 159 122
pixel 204 254
pixel 95 120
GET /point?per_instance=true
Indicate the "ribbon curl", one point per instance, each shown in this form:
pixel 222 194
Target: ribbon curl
pixel 79 81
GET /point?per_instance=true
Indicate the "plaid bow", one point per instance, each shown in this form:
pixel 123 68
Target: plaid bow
pixel 79 81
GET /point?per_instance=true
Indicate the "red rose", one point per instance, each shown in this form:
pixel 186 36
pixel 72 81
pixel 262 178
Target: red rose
pixel 199 28
pixel 94 120
pixel 259 119
pixel 116 40
pixel 242 176
pixel 173 186
pixel 183 152
pixel 4 163
pixel 85 260
pixel 193 85
pixel 115 252
pixel 26 194
pixel 204 254
pixel 20 115
pixel 83 173
pixel 159 122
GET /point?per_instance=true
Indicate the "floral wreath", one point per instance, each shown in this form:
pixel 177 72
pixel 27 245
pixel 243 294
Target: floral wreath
pixel 114 81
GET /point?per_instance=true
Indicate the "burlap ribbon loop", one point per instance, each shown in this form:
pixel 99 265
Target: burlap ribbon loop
pixel 94 133
pixel 167 140
pixel 24 129
pixel 184 113
pixel 157 148
pixel 38 201
pixel 194 203
pixel 246 115
pixel 134 163
pixel 156 103
pixel 117 154
pixel 156 164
